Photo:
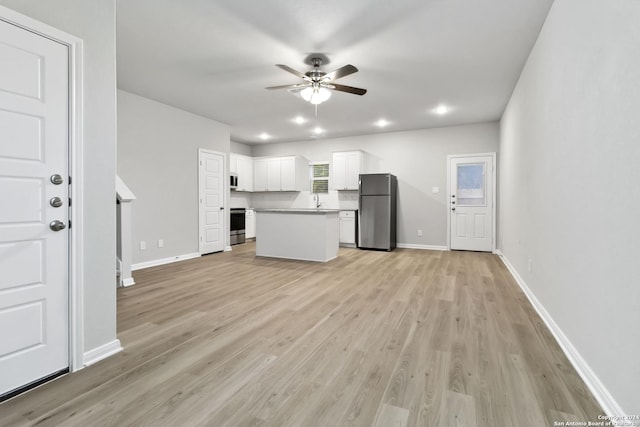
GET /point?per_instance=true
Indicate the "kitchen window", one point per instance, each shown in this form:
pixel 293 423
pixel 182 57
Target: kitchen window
pixel 319 177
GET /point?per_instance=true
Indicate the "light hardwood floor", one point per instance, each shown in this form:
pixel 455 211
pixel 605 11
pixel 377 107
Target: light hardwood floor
pixel 408 338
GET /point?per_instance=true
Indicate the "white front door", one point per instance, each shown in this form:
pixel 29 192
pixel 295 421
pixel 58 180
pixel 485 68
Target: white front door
pixel 471 184
pixel 211 188
pixel 34 194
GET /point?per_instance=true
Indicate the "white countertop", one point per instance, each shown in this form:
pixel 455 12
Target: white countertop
pixel 299 210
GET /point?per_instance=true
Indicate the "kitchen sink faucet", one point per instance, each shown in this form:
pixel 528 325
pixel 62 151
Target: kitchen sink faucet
pixel 316 198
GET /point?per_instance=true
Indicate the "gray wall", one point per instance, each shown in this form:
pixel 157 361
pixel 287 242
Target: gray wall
pixel 158 160
pixel 94 23
pixel 569 199
pixel 417 158
pixel 240 148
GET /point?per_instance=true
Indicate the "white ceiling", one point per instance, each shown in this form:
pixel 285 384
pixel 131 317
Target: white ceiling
pixel 215 57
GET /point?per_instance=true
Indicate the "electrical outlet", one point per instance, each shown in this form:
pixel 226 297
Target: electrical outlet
pixel 143 245
pixel 530 264
pixel 419 233
pixel 161 243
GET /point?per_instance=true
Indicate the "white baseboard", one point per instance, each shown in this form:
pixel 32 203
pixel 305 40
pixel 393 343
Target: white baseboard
pixel 599 391
pixel 163 261
pixel 99 353
pixel 227 249
pixel 128 282
pixel 424 247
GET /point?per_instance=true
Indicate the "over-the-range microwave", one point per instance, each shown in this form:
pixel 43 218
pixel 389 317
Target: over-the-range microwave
pixel 233 181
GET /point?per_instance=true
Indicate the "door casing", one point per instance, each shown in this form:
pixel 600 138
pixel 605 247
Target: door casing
pixel 493 202
pixel 76 238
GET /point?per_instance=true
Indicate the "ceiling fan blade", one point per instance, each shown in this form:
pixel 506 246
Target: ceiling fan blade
pixel 340 72
pixel 348 89
pixel 292 71
pixel 290 87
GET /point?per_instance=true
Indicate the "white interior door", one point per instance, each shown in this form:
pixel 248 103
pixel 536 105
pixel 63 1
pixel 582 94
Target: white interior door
pixel 211 189
pixel 471 202
pixel 34 263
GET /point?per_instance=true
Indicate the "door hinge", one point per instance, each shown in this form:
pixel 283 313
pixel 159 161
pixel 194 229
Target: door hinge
pixel 69 224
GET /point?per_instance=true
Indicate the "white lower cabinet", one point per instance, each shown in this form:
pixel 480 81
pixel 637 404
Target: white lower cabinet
pixel 250 224
pixel 348 228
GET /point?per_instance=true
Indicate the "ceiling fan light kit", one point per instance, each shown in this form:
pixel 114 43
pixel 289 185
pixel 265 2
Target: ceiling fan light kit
pixel 315 94
pixel 318 85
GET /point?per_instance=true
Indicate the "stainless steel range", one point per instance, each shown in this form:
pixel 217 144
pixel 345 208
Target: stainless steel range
pixel 237 225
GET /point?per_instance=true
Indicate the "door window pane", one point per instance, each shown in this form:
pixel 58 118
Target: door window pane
pixel 471 185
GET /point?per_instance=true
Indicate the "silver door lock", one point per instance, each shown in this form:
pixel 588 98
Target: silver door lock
pixel 56 202
pixel 57 179
pixel 57 225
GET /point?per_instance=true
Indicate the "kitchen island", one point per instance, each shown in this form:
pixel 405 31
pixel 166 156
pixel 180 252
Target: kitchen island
pixel 302 234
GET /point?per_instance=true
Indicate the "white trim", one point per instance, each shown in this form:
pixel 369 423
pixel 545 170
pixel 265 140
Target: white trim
pixel 227 249
pixel 423 247
pixel 128 282
pixel 76 171
pixel 599 391
pixel 494 209
pixel 102 352
pixel 163 261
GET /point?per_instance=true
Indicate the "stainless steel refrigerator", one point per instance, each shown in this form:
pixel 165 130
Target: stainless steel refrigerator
pixel 377 211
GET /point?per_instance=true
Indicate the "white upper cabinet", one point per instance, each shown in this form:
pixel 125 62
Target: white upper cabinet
pixel 243 167
pixel 288 173
pixel 347 166
pixel 273 175
pixel 233 163
pixel 260 175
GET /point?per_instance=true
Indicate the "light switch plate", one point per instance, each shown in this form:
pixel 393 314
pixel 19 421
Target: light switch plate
pixel 435 190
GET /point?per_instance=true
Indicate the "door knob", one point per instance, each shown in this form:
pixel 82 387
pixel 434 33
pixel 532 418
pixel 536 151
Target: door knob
pixel 56 202
pixel 57 179
pixel 453 209
pixel 57 225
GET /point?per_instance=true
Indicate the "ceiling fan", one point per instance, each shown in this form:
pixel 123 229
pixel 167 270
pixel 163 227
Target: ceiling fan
pixel 317 85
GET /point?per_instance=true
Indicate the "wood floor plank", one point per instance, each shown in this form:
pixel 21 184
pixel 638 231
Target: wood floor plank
pixel 402 338
pixel 392 416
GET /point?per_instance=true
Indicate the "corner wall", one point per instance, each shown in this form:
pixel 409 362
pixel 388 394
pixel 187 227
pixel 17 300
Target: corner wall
pixel 158 160
pixel 569 195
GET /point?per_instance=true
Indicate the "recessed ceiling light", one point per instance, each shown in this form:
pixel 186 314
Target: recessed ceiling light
pixel 264 136
pixel 299 120
pixel 318 130
pixel 441 109
pixel 382 123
